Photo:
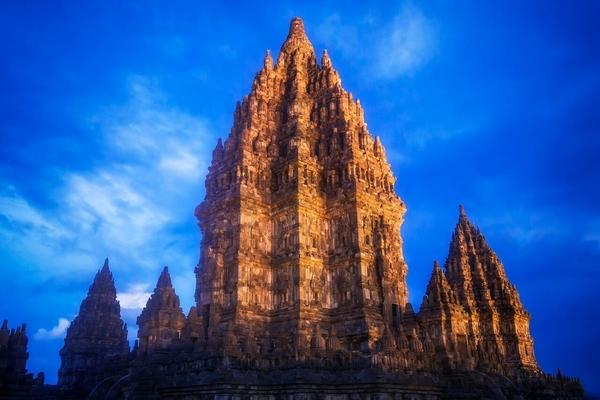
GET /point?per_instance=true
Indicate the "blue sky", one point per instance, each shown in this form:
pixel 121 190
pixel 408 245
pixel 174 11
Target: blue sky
pixel 110 111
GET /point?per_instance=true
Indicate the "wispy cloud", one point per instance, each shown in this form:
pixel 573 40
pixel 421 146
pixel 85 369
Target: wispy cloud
pixel 387 49
pixel 336 33
pixel 57 332
pixel 132 206
pixel 418 139
pixel 404 45
pixel 19 213
pixel 594 238
pixel 521 226
pixel 135 297
pixel 592 233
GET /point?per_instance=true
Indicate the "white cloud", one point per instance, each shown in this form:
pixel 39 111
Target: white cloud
pixel 521 226
pixel 336 34
pixel 135 297
pixel 388 50
pixel 20 212
pixel 593 237
pixel 592 232
pixel 182 163
pixel 57 332
pixel 405 45
pixel 131 207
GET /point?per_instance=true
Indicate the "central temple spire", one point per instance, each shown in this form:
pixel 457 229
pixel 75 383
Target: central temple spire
pixel 296 27
pixel 301 281
pixel 300 217
pixel 295 44
pixel 296 35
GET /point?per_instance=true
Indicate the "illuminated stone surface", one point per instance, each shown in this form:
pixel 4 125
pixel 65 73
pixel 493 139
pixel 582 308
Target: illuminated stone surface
pixel 162 321
pixel 301 226
pixel 301 285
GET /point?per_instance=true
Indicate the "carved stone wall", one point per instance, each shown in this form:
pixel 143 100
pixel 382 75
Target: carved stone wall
pixel 301 225
pixel 162 322
pixel 15 381
pixel 301 282
pixel 498 323
pixel 96 340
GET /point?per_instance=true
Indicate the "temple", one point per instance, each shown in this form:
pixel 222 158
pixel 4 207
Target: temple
pixel 300 224
pixel 162 321
pixel 301 281
pixel 15 380
pixel 96 342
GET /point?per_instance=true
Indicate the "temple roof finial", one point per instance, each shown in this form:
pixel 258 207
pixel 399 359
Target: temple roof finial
pixel 268 61
pixel 105 267
pixel 296 40
pixel 296 26
pixel 325 60
pixel 165 278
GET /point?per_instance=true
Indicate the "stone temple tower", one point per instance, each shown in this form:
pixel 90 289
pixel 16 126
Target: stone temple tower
pixel 97 338
pixel 301 282
pixel 162 320
pixel 301 246
pixel 498 323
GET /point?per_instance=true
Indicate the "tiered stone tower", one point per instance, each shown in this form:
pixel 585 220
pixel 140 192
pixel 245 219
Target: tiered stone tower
pixel 301 242
pixel 13 349
pixel 15 381
pixel 444 319
pixel 96 341
pixel 473 311
pixel 498 325
pixel 301 282
pixel 162 321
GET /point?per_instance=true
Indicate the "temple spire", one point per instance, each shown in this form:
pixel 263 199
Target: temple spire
pixel 438 288
pixel 296 28
pixel 325 60
pixel 162 320
pixel 96 335
pixel 478 278
pixel 296 41
pixel 103 282
pixel 105 266
pixel 268 61
pixel 297 126
pixel 164 281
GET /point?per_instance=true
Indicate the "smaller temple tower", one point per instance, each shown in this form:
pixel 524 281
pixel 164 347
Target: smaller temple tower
pixel 14 379
pixel 162 321
pixel 13 349
pixel 444 320
pixel 498 324
pixel 96 338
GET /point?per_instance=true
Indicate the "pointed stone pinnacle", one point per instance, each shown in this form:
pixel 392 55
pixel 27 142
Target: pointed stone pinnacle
pixel 165 279
pixel 268 61
pixel 162 317
pixel 325 60
pixel 461 210
pixel 296 40
pixel 104 274
pixel 103 281
pixel 105 267
pixel 296 26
